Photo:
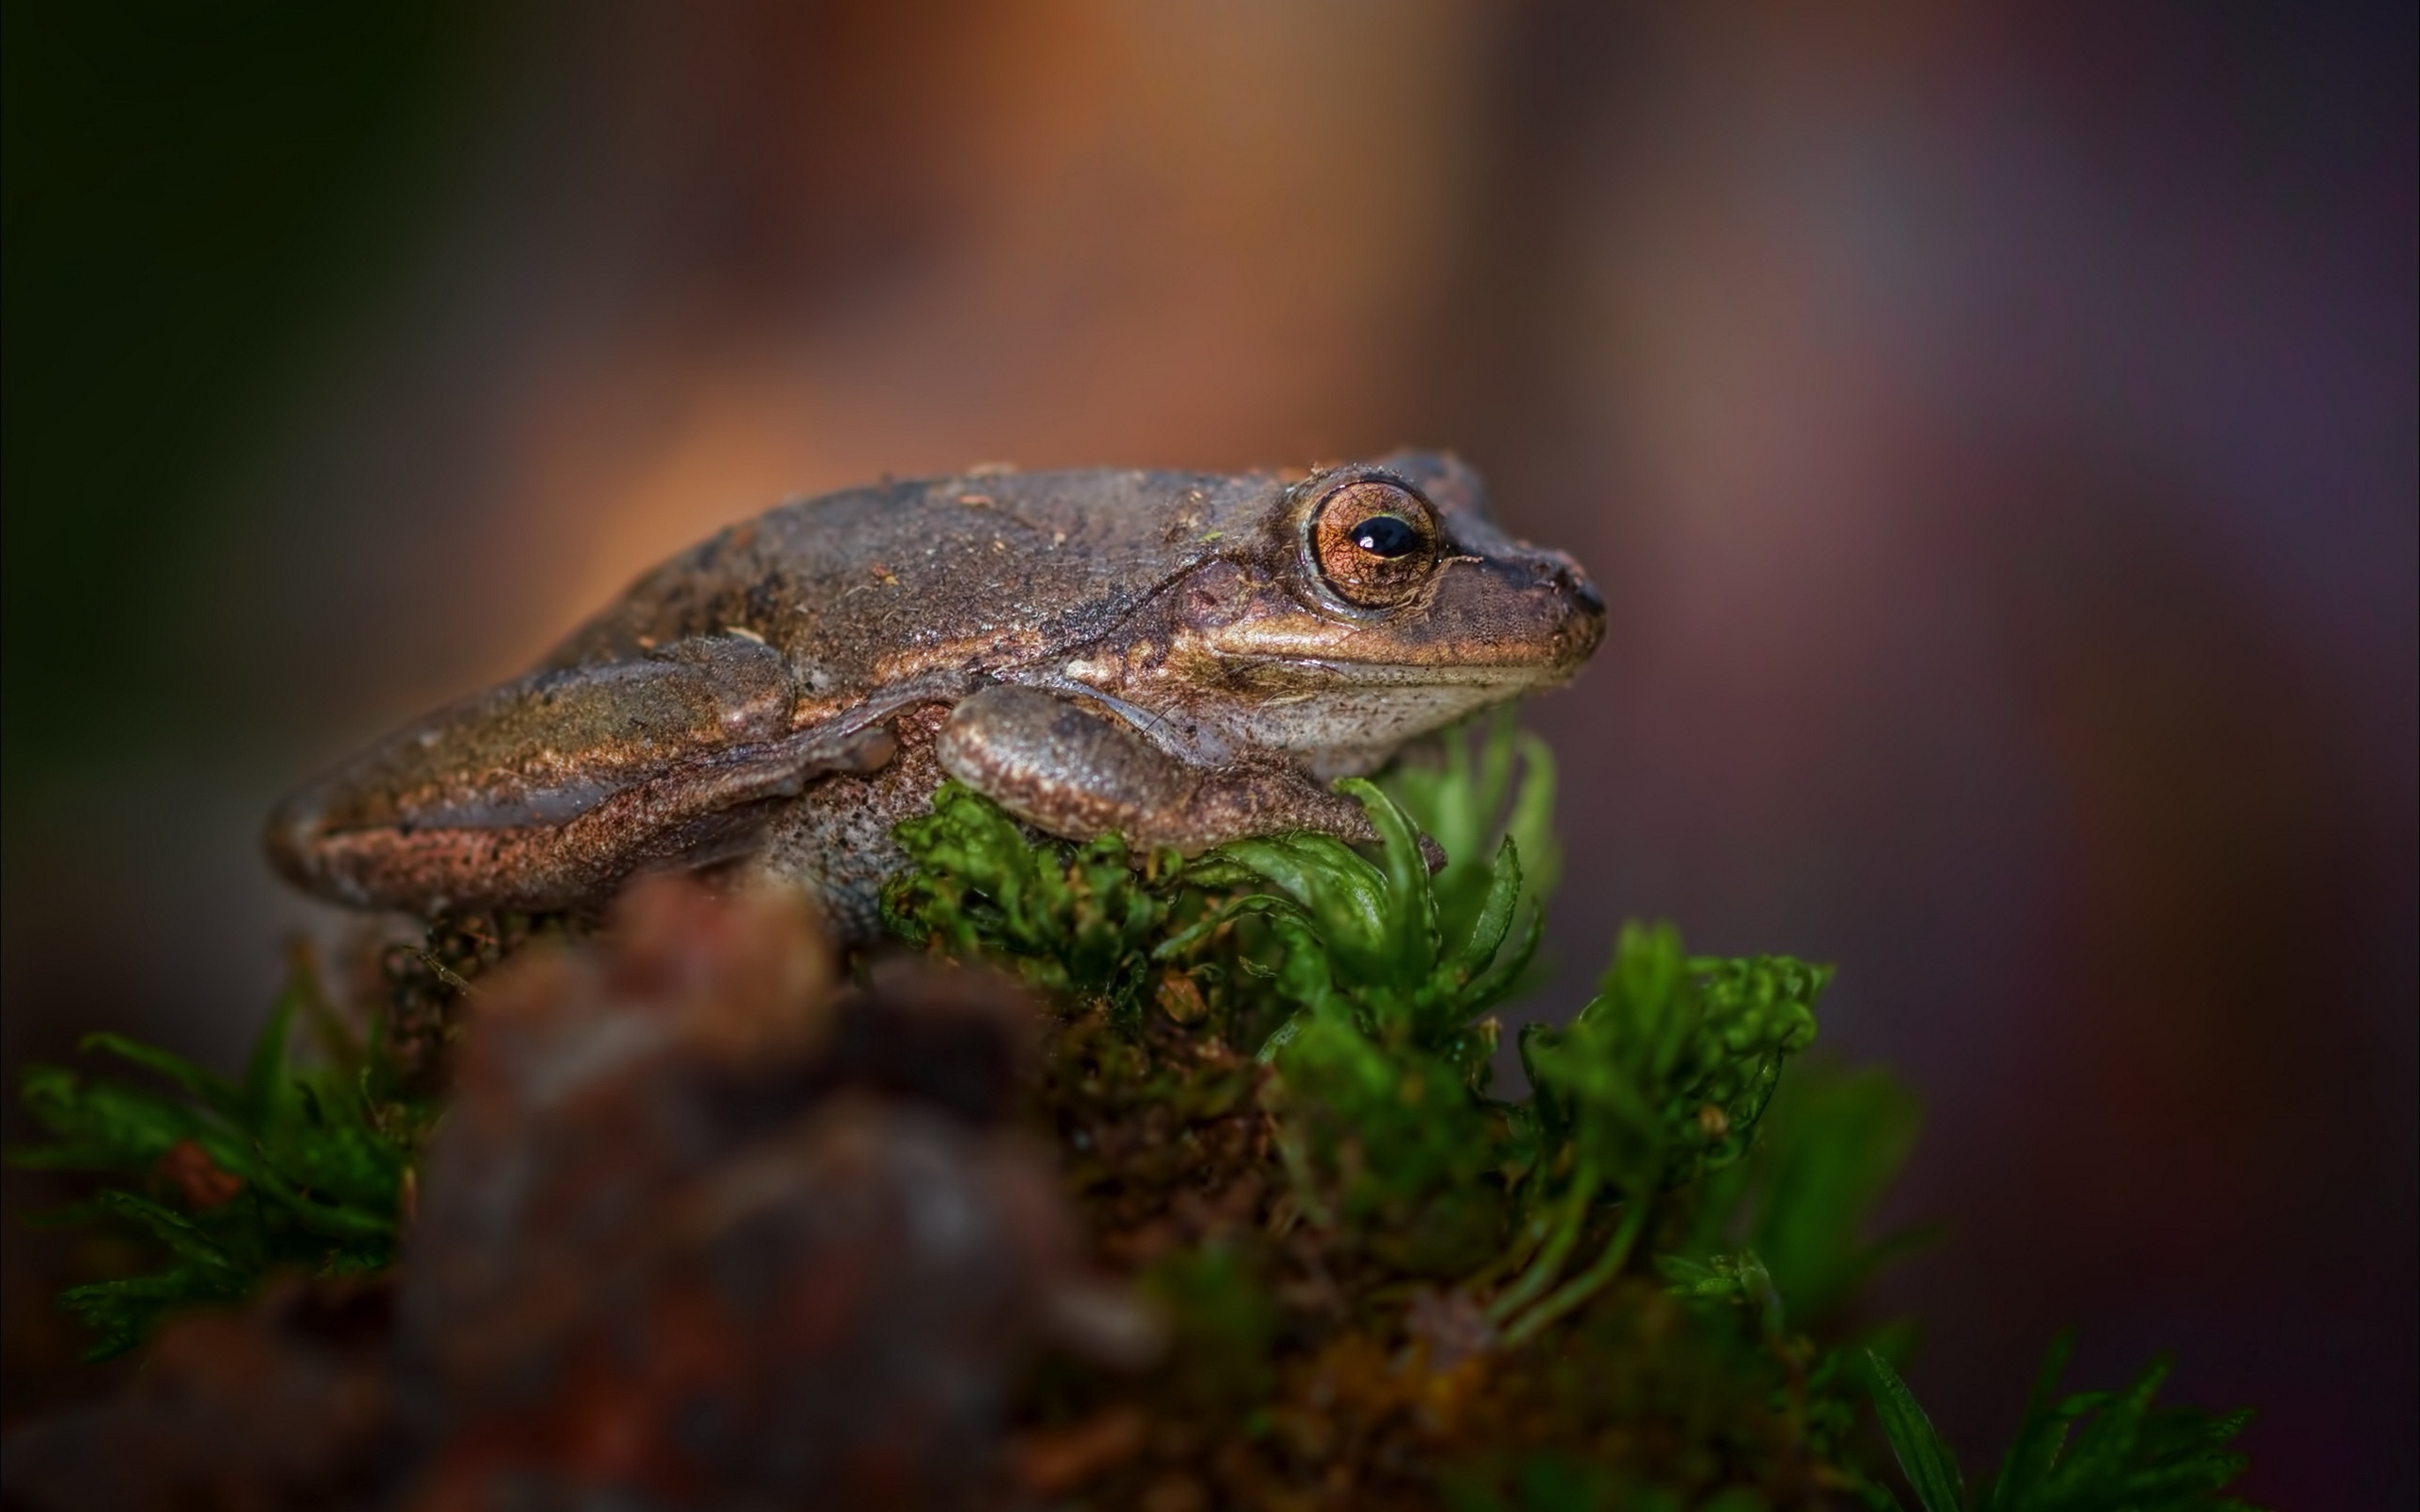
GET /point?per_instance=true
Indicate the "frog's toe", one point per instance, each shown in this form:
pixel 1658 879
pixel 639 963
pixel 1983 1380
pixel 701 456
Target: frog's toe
pixel 870 749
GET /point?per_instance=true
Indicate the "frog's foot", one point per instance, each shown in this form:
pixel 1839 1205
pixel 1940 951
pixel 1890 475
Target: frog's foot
pixel 1064 769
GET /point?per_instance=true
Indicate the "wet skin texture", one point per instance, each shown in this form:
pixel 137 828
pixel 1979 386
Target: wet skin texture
pixel 1185 658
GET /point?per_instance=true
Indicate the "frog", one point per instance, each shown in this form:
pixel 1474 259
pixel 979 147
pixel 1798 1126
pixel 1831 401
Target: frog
pixel 1180 659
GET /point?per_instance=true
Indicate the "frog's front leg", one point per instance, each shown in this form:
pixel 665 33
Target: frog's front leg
pixel 548 792
pixel 1067 769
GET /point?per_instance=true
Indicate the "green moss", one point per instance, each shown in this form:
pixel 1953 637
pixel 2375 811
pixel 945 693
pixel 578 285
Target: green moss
pixel 1076 923
pixel 1223 1322
pixel 1386 1148
pixel 2093 1449
pixel 298 1166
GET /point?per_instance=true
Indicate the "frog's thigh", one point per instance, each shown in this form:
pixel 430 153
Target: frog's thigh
pixel 692 814
pixel 548 791
pixel 1062 768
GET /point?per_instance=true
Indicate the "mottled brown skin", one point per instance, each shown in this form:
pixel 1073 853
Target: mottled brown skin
pixel 1184 659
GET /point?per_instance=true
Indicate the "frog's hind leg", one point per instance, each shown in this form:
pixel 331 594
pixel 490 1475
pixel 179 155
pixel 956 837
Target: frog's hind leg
pixel 550 791
pixel 1065 768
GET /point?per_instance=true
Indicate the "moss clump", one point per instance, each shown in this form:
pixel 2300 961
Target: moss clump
pixel 1269 1074
pixel 1272 1074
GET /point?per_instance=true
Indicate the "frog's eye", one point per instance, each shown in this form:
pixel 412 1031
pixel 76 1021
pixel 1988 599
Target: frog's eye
pixel 1375 542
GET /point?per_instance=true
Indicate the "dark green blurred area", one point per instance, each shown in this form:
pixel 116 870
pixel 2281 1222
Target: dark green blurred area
pixel 194 196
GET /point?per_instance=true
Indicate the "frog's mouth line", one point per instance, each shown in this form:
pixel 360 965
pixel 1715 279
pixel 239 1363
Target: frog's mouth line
pixel 1292 679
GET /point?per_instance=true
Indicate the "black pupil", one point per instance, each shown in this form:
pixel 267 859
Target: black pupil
pixel 1383 535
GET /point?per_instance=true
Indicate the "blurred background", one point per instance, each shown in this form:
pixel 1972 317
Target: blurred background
pixel 1993 429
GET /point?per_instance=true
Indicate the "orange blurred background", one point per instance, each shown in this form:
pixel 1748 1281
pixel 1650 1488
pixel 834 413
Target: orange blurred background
pixel 1995 432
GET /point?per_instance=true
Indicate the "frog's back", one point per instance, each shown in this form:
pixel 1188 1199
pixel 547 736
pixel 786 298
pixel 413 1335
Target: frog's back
pixel 864 587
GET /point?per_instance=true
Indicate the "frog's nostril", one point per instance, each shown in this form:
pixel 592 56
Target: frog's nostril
pixel 1577 588
pixel 1565 576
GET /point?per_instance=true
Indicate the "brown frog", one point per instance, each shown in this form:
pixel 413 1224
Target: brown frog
pixel 1184 659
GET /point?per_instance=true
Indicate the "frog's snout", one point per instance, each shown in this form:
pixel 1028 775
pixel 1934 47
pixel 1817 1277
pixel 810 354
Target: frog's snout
pixel 292 835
